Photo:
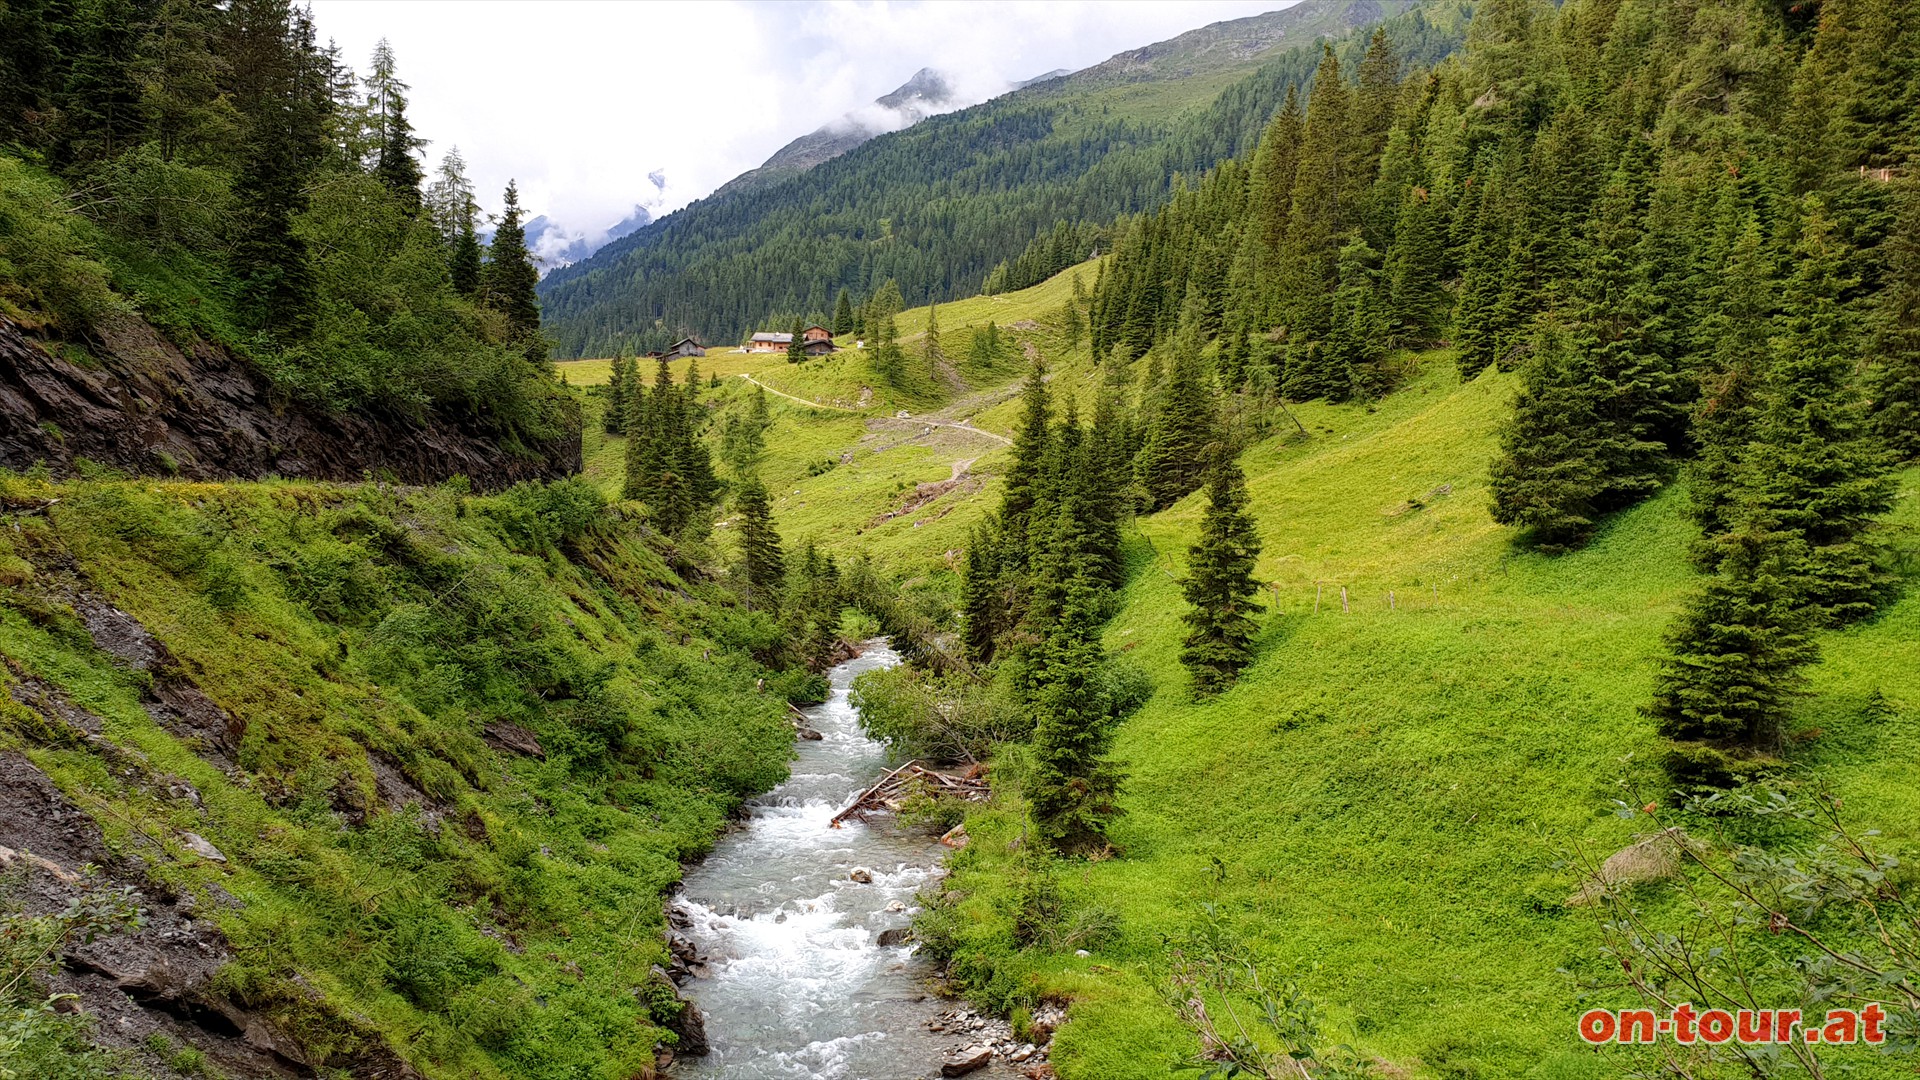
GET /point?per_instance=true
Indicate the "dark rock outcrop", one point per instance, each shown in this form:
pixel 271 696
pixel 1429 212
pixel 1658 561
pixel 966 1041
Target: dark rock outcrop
pixel 147 407
pixel 154 982
pixel 688 1025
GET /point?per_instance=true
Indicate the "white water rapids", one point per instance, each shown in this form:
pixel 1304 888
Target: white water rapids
pixel 798 985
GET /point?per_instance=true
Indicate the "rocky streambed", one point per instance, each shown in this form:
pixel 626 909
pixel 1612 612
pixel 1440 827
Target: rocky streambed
pixel 794 936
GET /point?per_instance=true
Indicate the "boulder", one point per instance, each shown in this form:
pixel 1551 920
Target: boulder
pixel 956 837
pixel 689 1025
pixel 809 734
pixel 898 935
pixel 862 875
pixel 962 1062
pixel 199 845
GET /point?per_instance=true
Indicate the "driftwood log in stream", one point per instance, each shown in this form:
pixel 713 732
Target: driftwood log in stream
pixel 889 790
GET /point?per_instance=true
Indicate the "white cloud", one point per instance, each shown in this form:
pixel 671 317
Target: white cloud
pixel 594 107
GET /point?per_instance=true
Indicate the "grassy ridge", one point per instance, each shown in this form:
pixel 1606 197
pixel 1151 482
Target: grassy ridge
pixel 479 912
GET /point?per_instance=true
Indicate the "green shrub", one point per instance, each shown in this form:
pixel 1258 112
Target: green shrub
pixel 48 264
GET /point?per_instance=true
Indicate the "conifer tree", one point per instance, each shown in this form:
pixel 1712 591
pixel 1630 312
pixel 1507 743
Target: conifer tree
pixel 614 420
pixel 1815 472
pixel 275 86
pixel 1417 304
pixel 1896 352
pixel 1555 449
pixel 1357 342
pixel 982 602
pixel 645 460
pixel 763 567
pixel 510 277
pixel 1220 584
pixel 179 74
pixel 1024 479
pixel 934 355
pixel 1070 327
pixel 1073 785
pixel 1478 335
pixel 796 343
pixel 1255 278
pixel 843 314
pixel 1174 461
pixel 450 202
pixel 695 461
pixel 1736 653
pixel 395 164
pixel 101 113
pixel 743 441
pixel 1737 330
pixel 1309 259
pixel 464 264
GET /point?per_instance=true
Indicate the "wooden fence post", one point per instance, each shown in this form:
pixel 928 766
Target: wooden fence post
pixel 1344 608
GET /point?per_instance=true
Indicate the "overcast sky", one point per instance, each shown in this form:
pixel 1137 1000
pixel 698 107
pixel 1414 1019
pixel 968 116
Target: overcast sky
pixel 581 101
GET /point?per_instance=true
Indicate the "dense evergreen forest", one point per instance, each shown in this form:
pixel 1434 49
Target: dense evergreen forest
pixel 1692 230
pixel 937 208
pixel 214 169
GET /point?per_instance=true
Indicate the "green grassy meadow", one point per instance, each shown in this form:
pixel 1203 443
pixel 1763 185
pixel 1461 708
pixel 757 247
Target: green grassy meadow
pixel 1393 804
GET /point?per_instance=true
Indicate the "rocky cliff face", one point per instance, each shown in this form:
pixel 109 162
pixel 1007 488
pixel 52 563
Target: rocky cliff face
pixel 144 406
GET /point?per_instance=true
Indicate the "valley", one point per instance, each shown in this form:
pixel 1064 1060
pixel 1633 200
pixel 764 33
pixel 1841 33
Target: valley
pixel 1387 531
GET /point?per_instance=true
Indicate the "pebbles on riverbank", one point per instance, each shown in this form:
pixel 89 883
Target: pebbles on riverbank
pixel 996 1037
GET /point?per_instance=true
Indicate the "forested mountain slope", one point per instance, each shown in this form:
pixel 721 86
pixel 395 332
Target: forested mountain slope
pixel 379 777
pixel 936 207
pixel 218 256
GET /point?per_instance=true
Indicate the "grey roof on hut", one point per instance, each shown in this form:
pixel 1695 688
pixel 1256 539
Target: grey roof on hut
pixel 777 339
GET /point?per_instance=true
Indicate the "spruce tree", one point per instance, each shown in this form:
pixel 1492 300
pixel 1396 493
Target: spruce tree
pixel 510 277
pixel 1024 479
pixel 763 567
pixel 101 114
pixel 1896 352
pixel 274 85
pixel 1357 342
pixel 644 456
pixel 1073 786
pixel 1173 463
pixel 796 343
pixel 843 314
pixel 1736 330
pixel 1736 654
pixel 934 355
pixel 1255 280
pixel 1417 303
pixel 1309 270
pixel 465 264
pixel 982 602
pixel 1220 585
pixel 615 417
pixel 1555 449
pixel 695 461
pixel 1815 471
pixel 395 165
